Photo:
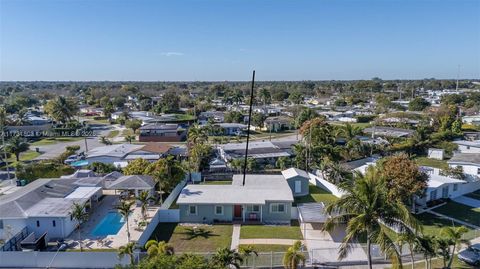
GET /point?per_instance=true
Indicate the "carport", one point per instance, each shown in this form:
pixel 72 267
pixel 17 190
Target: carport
pixel 311 213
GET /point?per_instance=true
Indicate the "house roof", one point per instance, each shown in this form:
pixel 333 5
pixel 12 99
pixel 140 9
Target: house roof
pixel 465 158
pixel 475 144
pixel 119 150
pixel 388 131
pixel 132 182
pixel 294 172
pixel 358 163
pixel 251 145
pixel 157 126
pixel 258 189
pixel 154 147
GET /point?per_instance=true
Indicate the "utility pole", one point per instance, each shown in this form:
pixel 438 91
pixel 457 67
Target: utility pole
pixel 248 129
pixel 458 77
pixel 4 149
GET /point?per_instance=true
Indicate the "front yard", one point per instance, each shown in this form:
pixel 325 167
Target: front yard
pixel 275 232
pixel 269 248
pixel 216 182
pixel 203 238
pixel 316 195
pixel 432 225
pixel 461 212
pixel 424 161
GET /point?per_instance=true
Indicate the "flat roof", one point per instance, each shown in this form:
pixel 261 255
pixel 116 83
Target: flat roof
pixel 312 212
pixel 83 193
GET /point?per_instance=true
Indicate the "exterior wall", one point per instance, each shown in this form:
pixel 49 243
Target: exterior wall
pixel 462 189
pixel 435 154
pixel 304 185
pixel 206 213
pixel 16 225
pixel 63 226
pixel 468 149
pixel 284 217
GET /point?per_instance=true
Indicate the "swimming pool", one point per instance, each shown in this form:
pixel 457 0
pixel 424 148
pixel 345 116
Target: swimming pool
pixel 109 225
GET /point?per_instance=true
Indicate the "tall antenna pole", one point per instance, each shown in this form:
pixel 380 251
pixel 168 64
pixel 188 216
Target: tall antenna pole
pixel 248 129
pixel 458 77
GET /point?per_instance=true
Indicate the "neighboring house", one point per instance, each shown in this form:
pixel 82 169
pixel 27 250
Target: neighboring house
pixel 231 128
pixel 263 199
pixel 145 116
pixel 468 146
pixel 263 152
pixel 276 124
pixel 215 116
pixel 470 163
pixel 37 120
pixel 162 133
pixel 111 154
pixel 388 131
pixel 471 119
pixel 151 151
pixel 360 165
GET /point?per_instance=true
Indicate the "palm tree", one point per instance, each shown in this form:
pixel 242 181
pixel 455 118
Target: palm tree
pixel 61 109
pixel 349 131
pixel 426 245
pixel 127 250
pixel 155 247
pixel 104 140
pixel 226 257
pixel 125 209
pixel 293 257
pixel 442 245
pixel 130 138
pixel 196 135
pixel 368 212
pixel 247 251
pixel 411 240
pixel 265 96
pixel 17 145
pixel 455 234
pixel 79 214
pixel 144 197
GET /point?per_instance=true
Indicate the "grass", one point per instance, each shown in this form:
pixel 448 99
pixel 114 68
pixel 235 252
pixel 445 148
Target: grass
pixel 266 231
pixel 216 182
pixel 424 161
pixel 24 157
pixel 316 195
pixel 438 264
pixel 432 224
pixel 269 248
pixel 126 132
pixel 460 211
pixel 183 239
pixel 113 133
pixel 54 140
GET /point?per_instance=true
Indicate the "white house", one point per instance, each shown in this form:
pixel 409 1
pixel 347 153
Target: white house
pixel 475 119
pixel 470 162
pixel 465 146
pixel 111 154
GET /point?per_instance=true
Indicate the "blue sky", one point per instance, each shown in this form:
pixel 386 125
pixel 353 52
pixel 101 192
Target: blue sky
pixel 226 39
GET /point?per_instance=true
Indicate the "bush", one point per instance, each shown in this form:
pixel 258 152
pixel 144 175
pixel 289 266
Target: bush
pixel 35 171
pixel 102 168
pixel 364 118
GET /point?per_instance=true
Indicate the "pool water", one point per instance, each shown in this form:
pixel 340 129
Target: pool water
pixel 109 225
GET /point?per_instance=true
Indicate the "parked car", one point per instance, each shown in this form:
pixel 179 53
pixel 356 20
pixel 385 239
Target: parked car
pixel 470 255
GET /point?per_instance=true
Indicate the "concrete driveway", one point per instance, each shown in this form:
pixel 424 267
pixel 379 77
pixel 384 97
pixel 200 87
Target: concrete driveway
pixel 323 246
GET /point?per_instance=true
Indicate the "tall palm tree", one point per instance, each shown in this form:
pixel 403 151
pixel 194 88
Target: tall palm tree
pixel 79 214
pixel 265 96
pixel 411 240
pixel 125 209
pixel 247 251
pixel 196 135
pixel 61 109
pixel 368 212
pixel 226 257
pixel 426 245
pixel 349 131
pixel 155 247
pixel 144 197
pixel 104 140
pixel 127 250
pixel 293 257
pixel 455 234
pixel 17 145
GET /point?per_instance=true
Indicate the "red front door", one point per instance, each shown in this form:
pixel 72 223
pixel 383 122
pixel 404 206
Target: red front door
pixel 237 211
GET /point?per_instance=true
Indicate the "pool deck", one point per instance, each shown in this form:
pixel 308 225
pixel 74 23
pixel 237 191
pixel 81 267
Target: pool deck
pixel 99 211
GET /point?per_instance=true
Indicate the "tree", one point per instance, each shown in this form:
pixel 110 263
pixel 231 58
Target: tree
pixel 127 250
pixel 367 211
pixel 293 257
pixel 404 179
pixel 144 197
pixel 305 115
pixel 17 145
pixel 125 209
pixel 418 104
pixel 102 168
pixel 454 235
pixel 79 214
pixel 167 172
pixel 134 124
pixel 233 116
pixel 61 109
pixel 155 247
pixel 283 162
pixel 295 97
pixel 196 135
pixel 104 140
pixel 265 96
pixel 136 167
pixel 247 251
pixel 226 257
pixel 130 138
pixel 258 119
pixel 349 131
pixel 426 245
pixel 411 240
pixel 170 102
pixel 199 156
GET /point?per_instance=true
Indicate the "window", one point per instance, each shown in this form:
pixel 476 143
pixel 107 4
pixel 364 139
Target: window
pixel 445 192
pixel 253 208
pixel 54 223
pixel 433 195
pixel 277 208
pixel 468 147
pixel 218 210
pixel 455 187
pixel 1 224
pixel 298 186
pixel 192 210
pixel 38 223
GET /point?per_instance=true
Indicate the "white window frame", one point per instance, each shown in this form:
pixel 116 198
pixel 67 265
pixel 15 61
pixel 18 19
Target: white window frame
pixel 277 205
pixel 250 208
pixel 190 212
pixel 215 210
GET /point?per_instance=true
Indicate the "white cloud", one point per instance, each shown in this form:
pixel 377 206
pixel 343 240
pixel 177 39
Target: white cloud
pixel 172 53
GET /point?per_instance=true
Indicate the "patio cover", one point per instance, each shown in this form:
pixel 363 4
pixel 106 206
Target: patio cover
pixel 312 213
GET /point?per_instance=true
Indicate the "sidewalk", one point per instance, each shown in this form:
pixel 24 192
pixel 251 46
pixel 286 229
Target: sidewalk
pixel 235 237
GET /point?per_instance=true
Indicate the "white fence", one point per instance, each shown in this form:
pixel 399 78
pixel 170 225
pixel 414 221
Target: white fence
pixel 322 183
pixel 169 215
pixel 36 259
pixel 294 213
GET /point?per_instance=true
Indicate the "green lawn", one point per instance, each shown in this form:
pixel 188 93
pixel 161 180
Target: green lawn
pixel 24 156
pixel 266 231
pixel 184 239
pixel 316 195
pixel 216 182
pixel 461 212
pixel 113 133
pixel 126 132
pixel 424 161
pixel 269 248
pixel 432 224
pixel 54 140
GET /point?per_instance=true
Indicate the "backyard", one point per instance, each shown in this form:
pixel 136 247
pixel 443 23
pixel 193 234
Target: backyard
pixel 432 224
pixel 267 231
pixel 461 212
pixel 316 195
pixel 424 161
pixel 201 238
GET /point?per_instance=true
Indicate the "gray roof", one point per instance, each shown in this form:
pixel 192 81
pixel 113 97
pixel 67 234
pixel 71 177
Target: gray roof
pixel 465 158
pixel 157 126
pixel 475 144
pixel 81 173
pixel 258 189
pixel 388 131
pixel 358 163
pixel 119 150
pixel 132 182
pixel 294 172
pixel 312 213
